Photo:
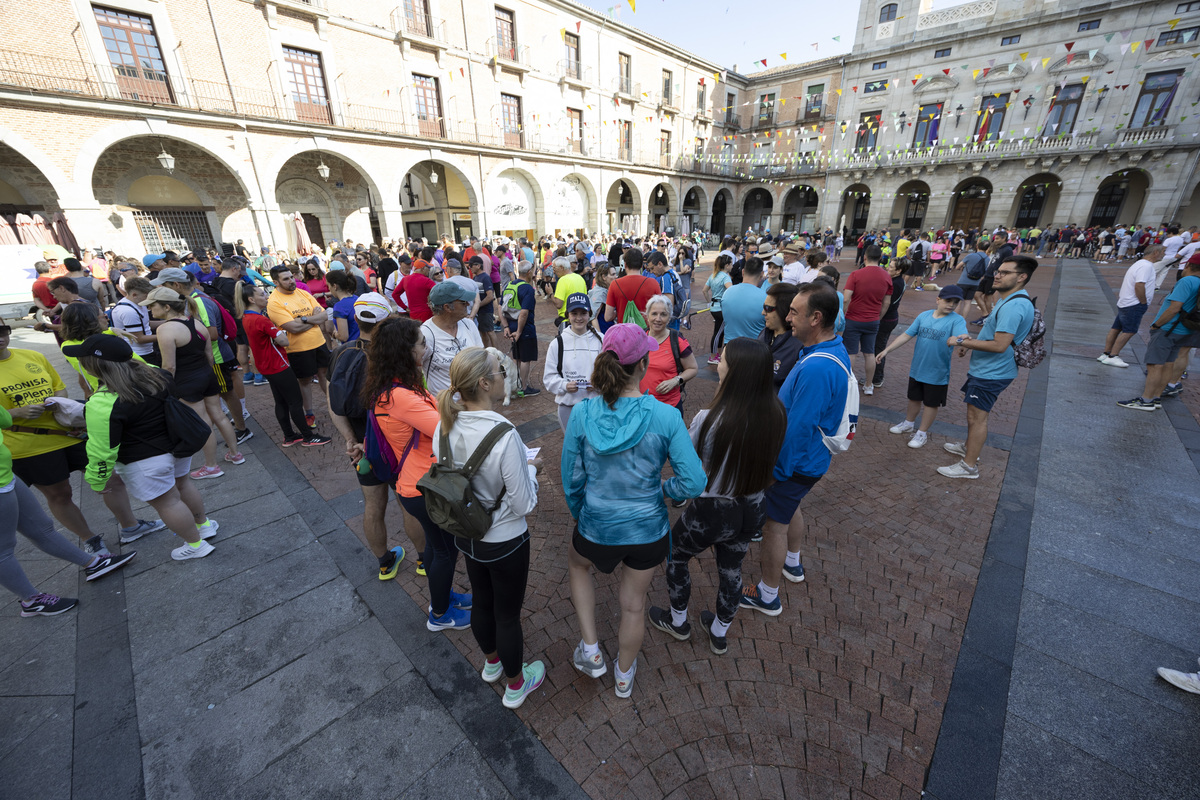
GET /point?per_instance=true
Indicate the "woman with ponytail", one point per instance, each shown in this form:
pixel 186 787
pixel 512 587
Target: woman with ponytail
pixel 612 460
pixel 187 355
pixel 497 564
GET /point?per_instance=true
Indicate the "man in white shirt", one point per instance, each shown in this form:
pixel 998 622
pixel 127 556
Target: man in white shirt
pixel 795 269
pixel 134 319
pixel 1137 290
pixel 448 331
pixel 1171 247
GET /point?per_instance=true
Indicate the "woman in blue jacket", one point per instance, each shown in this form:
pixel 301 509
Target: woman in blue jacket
pixel 612 460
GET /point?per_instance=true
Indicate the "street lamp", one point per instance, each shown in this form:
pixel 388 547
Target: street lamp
pixel 166 159
pixel 1027 102
pixel 903 117
pixel 1100 95
pixel 323 170
pixel 433 177
pixel 958 114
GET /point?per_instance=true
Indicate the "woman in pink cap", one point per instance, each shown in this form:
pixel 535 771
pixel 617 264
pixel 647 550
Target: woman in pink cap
pixel 612 459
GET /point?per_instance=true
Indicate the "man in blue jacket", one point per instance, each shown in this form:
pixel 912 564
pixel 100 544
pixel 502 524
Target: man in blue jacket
pixel 814 396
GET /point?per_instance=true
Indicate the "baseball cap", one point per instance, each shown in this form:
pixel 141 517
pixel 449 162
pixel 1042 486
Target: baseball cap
pixel 777 259
pixel 101 345
pixel 372 307
pixel 951 292
pixel 173 275
pixel 150 259
pixel 628 342
pixel 1194 260
pixel 162 294
pixel 578 300
pixel 449 291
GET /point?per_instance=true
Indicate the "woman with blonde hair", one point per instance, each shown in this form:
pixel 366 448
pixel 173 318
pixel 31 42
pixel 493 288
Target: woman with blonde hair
pixel 187 355
pixel 506 482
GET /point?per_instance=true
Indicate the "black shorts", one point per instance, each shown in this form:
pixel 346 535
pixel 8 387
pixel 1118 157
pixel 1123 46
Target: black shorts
pixel 930 395
pixel 605 557
pixel 917 268
pixel 194 388
pixel 525 349
pixel 306 363
pixel 54 467
pixel 968 292
pixel 486 320
pixel 985 285
pixel 225 376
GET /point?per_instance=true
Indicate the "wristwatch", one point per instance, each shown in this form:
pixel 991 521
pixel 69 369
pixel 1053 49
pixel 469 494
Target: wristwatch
pixel 304 319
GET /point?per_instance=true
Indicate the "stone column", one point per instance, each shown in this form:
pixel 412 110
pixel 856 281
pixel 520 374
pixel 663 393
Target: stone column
pixel 391 222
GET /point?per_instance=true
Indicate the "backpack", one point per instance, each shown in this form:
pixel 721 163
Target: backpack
pixel 512 303
pixel 673 337
pixel 978 267
pixel 678 298
pixel 1189 319
pixel 559 339
pixel 346 376
pixel 841 439
pixel 186 431
pixel 449 499
pixel 379 453
pixel 1032 350
pixel 228 327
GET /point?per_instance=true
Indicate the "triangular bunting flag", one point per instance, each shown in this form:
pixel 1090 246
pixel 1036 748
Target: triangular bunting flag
pixel 783 56
pixel 1068 45
pixel 1024 56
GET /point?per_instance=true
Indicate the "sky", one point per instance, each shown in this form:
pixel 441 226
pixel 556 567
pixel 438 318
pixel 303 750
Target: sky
pixel 723 31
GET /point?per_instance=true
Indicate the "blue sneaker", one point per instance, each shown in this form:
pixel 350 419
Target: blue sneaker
pixel 750 599
pixel 248 379
pixel 460 601
pixel 794 574
pixel 453 619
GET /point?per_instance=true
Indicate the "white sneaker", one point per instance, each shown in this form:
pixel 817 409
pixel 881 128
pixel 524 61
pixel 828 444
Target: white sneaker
pixel 868 389
pixel 1188 681
pixel 1102 358
pixel 959 470
pixel 209 529
pixel 1116 361
pixel 187 551
pixel 918 440
pixel 903 427
pixel 957 448
pixel 625 687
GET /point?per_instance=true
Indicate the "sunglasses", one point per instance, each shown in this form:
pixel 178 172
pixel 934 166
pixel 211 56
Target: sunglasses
pixel 768 309
pixel 5 330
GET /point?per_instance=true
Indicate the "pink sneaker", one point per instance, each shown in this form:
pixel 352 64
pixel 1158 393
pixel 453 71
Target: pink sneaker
pixel 207 472
pixel 235 458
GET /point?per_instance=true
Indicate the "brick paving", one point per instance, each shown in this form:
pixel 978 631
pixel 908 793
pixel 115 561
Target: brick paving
pixel 839 697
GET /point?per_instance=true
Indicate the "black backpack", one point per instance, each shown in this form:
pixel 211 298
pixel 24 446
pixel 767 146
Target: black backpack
pixel 346 376
pixel 675 353
pixel 186 431
pixel 978 267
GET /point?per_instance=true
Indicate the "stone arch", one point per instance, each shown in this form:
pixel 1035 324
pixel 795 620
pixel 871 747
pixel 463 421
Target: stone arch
pixel 970 203
pixel 57 182
pixel 662 207
pixel 695 207
pixel 757 206
pixel 352 156
pixel 572 201
pixel 622 207
pixel 856 208
pixel 911 205
pixel 1120 196
pixel 799 209
pixel 455 206
pixel 1036 201
pixel 341 206
pixel 722 208
pixel 508 188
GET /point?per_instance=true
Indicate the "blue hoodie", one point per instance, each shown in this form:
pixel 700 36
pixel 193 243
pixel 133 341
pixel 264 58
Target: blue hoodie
pixel 612 468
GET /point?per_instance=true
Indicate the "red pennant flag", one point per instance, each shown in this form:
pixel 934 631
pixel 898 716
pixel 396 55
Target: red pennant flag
pixel 914 81
pixel 947 71
pixel 1069 45
pixel 578 25
pixel 986 70
pixel 1148 43
pixel 1070 57
pixel 764 62
pixel 854 88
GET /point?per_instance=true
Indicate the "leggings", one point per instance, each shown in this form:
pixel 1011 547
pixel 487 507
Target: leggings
pixel 718 337
pixel 285 388
pixel 725 525
pixel 440 556
pixel 886 326
pixel 20 511
pixel 497 593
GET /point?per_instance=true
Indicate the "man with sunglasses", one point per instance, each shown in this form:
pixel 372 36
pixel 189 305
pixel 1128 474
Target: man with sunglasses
pixel 448 331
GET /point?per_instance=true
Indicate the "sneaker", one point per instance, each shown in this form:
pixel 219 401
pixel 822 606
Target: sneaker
pixel 903 427
pixel 625 687
pixel 260 380
pixel 533 675
pixel 107 564
pixel 868 390
pixel 421 568
pixel 794 574
pixel 207 472
pixel 593 666
pixel 918 440
pixel 244 435
pixel 288 441
pixel 235 458
pixel 95 546
pixel 713 360
pixel 956 448
pixel 717 644
pixel 453 619
pixel 1103 358
pixel 750 599
pixel 1172 390
pixel 492 672
pixel 1188 681
pixel 248 379
pixel 144 527
pixel 960 470
pixel 387 573
pixel 310 420
pixel 46 605
pixel 316 441
pixel 661 619
pixel 460 601
pixel 757 537
pixel 979 321
pixel 532 390
pixel 187 551
pixel 1115 361
pixel 877 383
pixel 1138 404
pixel 208 530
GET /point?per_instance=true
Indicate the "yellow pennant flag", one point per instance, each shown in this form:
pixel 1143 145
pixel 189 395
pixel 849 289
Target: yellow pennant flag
pixel 1084 79
pixel 782 101
pixel 1024 55
pixel 633 6
pixel 975 74
pixel 562 34
pixel 1045 61
pixel 839 91
pixel 1171 23
pixel 784 55
pixel 1133 47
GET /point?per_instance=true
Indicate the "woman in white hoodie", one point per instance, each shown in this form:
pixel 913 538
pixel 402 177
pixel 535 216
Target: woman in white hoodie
pixel 569 359
pixel 497 564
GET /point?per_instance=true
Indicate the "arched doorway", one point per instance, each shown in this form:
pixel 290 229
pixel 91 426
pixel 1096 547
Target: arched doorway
pixel 720 209
pixel 436 198
pixel 756 210
pixel 514 205
pixel 911 205
pixel 571 206
pixel 856 208
pixel 335 201
pixel 623 204
pixel 1036 200
pixel 661 197
pixel 800 210
pixel 694 202
pixel 970 204
pixel 1119 198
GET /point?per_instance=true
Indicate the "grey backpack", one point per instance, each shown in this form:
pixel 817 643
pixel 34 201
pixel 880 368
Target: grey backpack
pixel 449 499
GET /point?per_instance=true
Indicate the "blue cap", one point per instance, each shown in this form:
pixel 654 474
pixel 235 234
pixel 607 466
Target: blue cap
pixel 578 300
pixel 150 259
pixel 951 292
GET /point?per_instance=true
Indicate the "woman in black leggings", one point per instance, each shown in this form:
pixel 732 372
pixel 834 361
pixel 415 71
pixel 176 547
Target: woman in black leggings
pixel 268 344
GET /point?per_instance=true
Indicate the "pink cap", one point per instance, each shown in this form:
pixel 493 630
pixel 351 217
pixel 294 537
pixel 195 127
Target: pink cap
pixel 628 342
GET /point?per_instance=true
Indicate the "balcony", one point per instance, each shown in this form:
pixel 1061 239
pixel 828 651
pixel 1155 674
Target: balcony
pixel 509 55
pixel 414 27
pixel 625 154
pixel 1049 146
pixel 574 74
pixel 668 103
pixel 1150 134
pixel 763 119
pixel 626 89
pixel 731 119
pixel 665 161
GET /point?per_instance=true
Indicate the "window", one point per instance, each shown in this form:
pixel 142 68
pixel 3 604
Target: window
pixel 1090 25
pixel 879 65
pixel 575 115
pixel 1183 8
pixel 510 113
pixel 1064 108
pixel 701 105
pixel 1178 36
pixel 573 66
pixel 766 109
pixel 427 99
pixel 868 130
pixel 874 86
pixel 506 34
pixel 1007 40
pixel 625 73
pixel 664 151
pixel 888 12
pixel 625 143
pixel 700 144
pixel 417 18
pixel 929 119
pixel 943 53
pixel 814 101
pixel 666 87
pixel 1158 90
pixel 306 81
pixel 731 109
pixel 172 229
pixel 133 52
pixel 991 117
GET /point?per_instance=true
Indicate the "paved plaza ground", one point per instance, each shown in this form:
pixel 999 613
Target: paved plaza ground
pixel 971 639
